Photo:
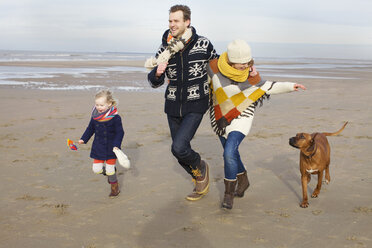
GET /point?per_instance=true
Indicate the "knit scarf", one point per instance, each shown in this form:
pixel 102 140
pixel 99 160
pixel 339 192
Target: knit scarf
pixel 105 116
pixel 174 46
pixel 226 104
pixel 229 71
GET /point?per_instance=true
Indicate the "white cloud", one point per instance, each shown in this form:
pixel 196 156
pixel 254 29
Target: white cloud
pixel 137 25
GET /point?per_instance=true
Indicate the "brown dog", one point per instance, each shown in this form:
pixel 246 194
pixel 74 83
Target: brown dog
pixel 314 159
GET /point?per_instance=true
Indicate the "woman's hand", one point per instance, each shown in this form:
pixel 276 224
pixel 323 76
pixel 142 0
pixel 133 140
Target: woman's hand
pixel 81 142
pixel 296 86
pixel 252 71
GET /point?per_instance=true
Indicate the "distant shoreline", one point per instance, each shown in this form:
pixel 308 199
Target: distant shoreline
pixel 263 50
pixel 131 75
pixel 74 63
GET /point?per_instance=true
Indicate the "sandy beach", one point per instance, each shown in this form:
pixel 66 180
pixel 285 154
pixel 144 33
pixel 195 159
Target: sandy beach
pixel 51 198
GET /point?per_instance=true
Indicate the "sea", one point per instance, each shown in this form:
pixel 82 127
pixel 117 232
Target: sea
pixel 32 77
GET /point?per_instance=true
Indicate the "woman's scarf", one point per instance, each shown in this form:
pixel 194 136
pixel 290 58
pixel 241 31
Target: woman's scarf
pixel 225 105
pixel 174 46
pixel 105 116
pixel 230 72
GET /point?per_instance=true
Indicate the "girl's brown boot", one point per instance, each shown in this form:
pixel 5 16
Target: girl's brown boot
pixel 114 190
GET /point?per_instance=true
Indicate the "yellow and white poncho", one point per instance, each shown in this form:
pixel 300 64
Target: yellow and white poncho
pixel 235 95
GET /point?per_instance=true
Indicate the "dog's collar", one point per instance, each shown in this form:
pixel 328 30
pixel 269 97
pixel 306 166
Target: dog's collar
pixel 313 148
pixel 313 152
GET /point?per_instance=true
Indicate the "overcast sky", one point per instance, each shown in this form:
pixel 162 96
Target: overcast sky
pixel 137 25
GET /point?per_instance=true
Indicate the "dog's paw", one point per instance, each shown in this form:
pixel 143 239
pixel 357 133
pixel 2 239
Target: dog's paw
pixel 314 195
pixel 304 204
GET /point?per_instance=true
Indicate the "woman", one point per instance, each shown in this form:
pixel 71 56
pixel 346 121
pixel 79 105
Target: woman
pixel 237 89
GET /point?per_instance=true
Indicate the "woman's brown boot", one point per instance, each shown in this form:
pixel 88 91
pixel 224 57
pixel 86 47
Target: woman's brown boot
pixel 243 184
pixel 114 190
pixel 228 199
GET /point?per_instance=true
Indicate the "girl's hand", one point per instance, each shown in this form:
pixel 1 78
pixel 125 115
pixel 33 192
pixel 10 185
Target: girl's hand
pixel 296 86
pixel 81 142
pixel 115 148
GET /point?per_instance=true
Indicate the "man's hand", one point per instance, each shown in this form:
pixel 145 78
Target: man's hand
pixel 161 69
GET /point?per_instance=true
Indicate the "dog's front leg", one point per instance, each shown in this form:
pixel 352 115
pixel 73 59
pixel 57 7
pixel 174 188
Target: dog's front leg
pixel 304 203
pixel 319 185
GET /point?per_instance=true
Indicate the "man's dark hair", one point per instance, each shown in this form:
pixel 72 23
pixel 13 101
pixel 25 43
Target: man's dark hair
pixel 185 9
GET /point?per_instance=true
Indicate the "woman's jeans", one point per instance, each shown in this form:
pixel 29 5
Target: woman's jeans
pixel 182 131
pixel 232 163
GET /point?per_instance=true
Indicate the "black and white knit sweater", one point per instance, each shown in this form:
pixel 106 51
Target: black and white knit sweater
pixel 188 88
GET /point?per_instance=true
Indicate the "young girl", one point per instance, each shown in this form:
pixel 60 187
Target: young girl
pixel 108 132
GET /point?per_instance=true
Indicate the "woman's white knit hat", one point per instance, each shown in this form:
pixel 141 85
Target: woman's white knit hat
pixel 238 51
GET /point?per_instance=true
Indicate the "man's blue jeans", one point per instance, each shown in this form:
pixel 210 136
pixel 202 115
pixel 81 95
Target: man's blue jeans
pixel 232 163
pixel 182 131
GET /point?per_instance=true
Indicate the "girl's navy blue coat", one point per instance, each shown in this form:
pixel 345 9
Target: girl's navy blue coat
pixel 107 135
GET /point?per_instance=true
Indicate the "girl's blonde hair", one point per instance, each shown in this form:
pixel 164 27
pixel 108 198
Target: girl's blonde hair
pixel 108 95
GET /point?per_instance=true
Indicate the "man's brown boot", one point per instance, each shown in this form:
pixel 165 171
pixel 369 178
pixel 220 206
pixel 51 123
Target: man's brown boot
pixel 201 175
pixel 243 184
pixel 114 190
pixel 193 196
pixel 228 199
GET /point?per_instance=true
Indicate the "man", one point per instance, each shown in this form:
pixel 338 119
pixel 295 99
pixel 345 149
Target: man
pixel 183 57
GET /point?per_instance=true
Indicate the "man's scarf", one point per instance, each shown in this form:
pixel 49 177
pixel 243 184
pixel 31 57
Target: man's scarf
pixel 174 46
pixel 228 103
pixel 105 116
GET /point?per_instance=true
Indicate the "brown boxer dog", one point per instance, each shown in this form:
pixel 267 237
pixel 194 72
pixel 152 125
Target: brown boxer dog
pixel 314 159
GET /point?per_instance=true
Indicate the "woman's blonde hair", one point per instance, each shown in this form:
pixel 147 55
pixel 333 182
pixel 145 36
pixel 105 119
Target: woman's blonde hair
pixel 108 95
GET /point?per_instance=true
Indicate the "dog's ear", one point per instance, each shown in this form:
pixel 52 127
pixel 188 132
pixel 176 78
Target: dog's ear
pixel 313 138
pixel 311 143
pixel 310 148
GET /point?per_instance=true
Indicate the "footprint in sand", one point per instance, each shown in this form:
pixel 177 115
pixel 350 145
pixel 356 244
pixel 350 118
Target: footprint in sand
pixel 42 139
pixel 7 125
pixel 59 209
pixel 259 240
pixel 362 210
pixel 31 198
pixel 8 137
pixel 317 212
pixel 133 145
pixel 18 161
pixel 281 213
pixel 363 137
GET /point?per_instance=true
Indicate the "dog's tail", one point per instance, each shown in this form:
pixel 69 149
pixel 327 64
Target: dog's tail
pixel 338 132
